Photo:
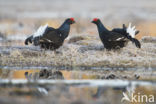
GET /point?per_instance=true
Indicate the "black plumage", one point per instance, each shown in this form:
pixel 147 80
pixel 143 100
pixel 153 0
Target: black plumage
pixel 123 30
pixel 115 39
pixel 51 38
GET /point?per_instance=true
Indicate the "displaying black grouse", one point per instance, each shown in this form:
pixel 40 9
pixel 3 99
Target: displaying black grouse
pixel 50 38
pixel 118 37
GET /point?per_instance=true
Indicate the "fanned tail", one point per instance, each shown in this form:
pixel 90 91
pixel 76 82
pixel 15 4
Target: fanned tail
pixel 137 43
pixel 28 40
pixel 40 31
pixel 131 35
pixel 137 32
pixel 36 36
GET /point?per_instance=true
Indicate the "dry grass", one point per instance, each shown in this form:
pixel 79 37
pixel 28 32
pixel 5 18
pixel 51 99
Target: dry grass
pixel 88 52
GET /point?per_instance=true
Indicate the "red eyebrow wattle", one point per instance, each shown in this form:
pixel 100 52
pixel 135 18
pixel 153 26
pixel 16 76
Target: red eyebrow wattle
pixel 72 19
pixel 95 19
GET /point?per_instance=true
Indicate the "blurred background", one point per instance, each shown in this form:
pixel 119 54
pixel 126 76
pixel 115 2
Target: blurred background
pixel 20 18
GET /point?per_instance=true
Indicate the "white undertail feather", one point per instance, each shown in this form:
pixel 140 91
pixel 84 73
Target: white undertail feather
pixel 131 30
pixel 40 31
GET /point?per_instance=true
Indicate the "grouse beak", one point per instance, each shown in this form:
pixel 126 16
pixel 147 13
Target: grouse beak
pixel 92 21
pixel 72 20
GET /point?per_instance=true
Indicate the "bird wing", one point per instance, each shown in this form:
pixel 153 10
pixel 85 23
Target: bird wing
pixel 119 30
pixel 49 29
pixel 46 34
pixel 114 36
pixel 51 36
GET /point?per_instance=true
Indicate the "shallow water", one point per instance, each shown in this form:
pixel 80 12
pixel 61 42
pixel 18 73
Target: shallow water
pixel 75 87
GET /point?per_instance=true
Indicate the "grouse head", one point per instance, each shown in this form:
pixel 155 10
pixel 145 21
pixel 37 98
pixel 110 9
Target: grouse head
pixel 96 21
pixel 70 20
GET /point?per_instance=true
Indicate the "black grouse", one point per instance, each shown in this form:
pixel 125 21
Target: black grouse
pixel 118 37
pixel 50 38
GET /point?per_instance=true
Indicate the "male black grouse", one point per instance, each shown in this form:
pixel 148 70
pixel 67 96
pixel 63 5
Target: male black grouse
pixel 118 37
pixel 49 37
